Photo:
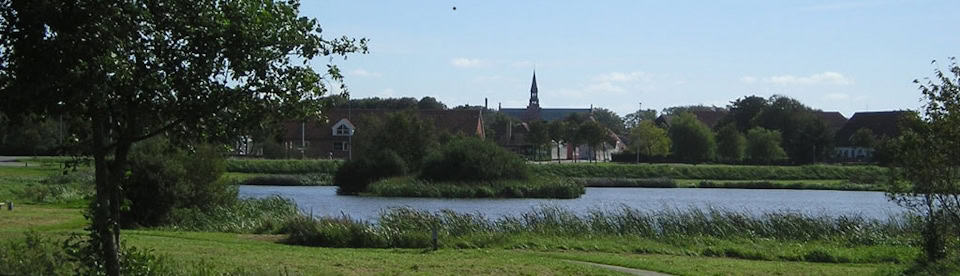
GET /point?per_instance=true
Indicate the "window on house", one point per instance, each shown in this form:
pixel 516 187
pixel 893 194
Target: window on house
pixel 343 146
pixel 343 130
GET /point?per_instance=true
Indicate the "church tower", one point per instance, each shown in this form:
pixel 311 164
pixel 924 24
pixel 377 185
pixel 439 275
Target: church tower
pixel 534 99
pixel 533 109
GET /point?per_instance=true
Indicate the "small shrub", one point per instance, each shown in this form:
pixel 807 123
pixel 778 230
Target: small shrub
pixel 473 159
pixel 34 255
pixel 163 178
pixel 354 176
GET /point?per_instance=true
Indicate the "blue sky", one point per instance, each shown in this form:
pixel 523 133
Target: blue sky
pixel 842 56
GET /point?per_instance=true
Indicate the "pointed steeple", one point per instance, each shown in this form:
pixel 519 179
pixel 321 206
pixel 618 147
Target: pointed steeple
pixel 534 98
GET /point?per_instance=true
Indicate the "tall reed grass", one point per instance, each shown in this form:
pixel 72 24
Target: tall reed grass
pixel 283 166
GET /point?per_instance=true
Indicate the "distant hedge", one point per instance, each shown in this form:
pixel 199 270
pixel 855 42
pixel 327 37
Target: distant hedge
pixel 286 166
pixel 715 172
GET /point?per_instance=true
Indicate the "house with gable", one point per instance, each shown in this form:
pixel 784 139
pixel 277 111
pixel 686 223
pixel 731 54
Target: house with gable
pixel 883 124
pixel 332 138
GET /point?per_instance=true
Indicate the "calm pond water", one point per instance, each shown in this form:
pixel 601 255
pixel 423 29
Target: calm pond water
pixel 323 201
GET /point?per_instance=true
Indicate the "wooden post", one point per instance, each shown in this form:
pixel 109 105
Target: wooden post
pixel 435 241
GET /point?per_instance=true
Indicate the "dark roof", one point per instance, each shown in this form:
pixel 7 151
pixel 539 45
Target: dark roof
pixel 546 114
pixel 709 118
pixel 467 122
pixel 834 120
pixel 883 124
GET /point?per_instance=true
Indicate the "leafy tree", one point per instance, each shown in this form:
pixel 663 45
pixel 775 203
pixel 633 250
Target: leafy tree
pixel 676 110
pixel 731 144
pixel 381 103
pixel 744 112
pixel 137 69
pixel 469 158
pixel 649 140
pixel 430 103
pixel 539 135
pixel 609 120
pixel 402 132
pixel 632 120
pixel 763 145
pixel 863 137
pixel 594 135
pixel 806 138
pixel 557 131
pixel 927 163
pixel 692 140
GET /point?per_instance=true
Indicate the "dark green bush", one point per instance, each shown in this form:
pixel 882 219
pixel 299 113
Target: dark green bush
pixel 354 176
pixel 473 159
pixel 163 178
pixel 534 187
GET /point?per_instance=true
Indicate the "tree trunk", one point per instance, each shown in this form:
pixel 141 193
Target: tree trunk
pixel 103 220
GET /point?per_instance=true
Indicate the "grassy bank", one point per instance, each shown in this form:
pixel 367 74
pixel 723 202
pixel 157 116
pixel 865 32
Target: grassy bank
pixel 806 184
pixel 535 187
pixel 310 179
pixel 283 166
pixel 714 172
pixel 524 250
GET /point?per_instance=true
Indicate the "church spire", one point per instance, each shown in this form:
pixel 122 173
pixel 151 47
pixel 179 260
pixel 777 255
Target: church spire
pixel 534 99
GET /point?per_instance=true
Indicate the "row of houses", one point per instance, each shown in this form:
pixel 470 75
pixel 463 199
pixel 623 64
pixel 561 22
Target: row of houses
pixel 333 138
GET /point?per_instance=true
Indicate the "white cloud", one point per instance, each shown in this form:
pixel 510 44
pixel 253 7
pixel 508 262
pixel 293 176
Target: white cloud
pixel 604 87
pixel 364 73
pixel 625 77
pixel 819 78
pixel 836 96
pixel 468 62
pixel 825 78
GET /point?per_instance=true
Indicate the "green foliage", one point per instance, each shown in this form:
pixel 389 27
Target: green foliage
pixel 863 137
pixel 34 255
pixel 609 120
pixel 633 119
pixel 744 112
pixel 534 187
pixel 37 137
pixel 594 135
pixel 659 182
pixel 927 165
pixel 473 159
pixel 354 176
pixel 649 139
pixel 162 178
pixel 60 188
pixel 133 261
pixel 763 145
pixel 715 172
pixel 410 137
pixel 285 166
pixel 248 216
pixel 692 140
pixel 731 144
pixel 40 255
pixel 289 180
